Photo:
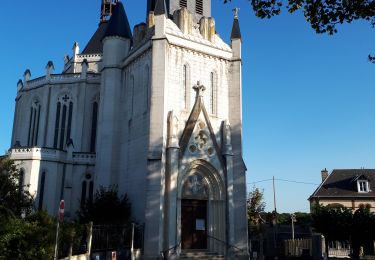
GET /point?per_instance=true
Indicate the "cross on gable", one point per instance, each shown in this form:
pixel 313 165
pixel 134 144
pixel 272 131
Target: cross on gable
pixel 65 98
pixel 199 89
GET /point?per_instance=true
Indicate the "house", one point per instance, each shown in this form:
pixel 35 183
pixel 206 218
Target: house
pixel 351 188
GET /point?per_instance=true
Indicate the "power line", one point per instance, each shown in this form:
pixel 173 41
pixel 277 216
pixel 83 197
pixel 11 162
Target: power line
pixel 259 181
pixel 291 181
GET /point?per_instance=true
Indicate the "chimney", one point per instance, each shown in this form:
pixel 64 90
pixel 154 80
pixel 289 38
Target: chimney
pixel 324 174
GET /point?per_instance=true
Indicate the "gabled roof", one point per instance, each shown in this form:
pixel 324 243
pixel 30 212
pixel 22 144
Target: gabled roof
pixel 95 44
pixel 343 183
pixel 197 110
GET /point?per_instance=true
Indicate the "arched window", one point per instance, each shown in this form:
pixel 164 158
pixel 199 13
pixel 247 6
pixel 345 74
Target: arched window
pixel 183 3
pixel 63 123
pixel 185 85
pixel 21 180
pixel 212 105
pixel 132 96
pixel 94 125
pixel 34 124
pixel 87 192
pixel 83 194
pixel 199 7
pixel 41 190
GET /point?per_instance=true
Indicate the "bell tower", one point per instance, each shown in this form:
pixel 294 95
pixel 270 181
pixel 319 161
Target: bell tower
pixel 107 9
pixel 198 8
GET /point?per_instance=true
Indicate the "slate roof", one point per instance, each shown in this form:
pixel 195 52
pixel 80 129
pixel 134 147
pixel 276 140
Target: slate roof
pixel 343 183
pixel 236 31
pixel 95 44
pixel 118 24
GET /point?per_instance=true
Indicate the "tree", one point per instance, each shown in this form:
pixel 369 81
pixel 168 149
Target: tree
pixel 15 199
pixel 333 222
pixel 362 230
pixel 323 15
pixel 107 208
pixel 29 238
pixel 255 206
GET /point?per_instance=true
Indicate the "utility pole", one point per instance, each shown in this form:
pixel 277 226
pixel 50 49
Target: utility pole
pixel 275 219
pixel 293 218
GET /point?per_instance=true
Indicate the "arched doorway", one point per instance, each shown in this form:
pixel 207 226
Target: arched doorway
pixel 201 208
pixel 194 213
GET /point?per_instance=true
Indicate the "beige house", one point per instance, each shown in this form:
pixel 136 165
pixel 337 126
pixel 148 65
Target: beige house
pixel 351 188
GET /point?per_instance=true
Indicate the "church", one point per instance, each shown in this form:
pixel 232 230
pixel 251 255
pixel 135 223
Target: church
pixel 155 111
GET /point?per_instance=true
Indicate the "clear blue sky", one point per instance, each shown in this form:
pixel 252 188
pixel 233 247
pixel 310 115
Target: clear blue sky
pixel 308 99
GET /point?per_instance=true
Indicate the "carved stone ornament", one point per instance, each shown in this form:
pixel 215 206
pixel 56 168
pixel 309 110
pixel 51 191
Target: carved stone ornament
pixel 195 188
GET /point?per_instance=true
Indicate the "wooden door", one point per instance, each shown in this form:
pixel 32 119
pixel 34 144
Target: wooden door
pixel 194 224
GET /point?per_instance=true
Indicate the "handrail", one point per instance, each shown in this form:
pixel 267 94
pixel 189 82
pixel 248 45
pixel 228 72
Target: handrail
pixel 174 248
pixel 227 244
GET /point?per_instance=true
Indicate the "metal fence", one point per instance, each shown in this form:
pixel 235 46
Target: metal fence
pixel 106 238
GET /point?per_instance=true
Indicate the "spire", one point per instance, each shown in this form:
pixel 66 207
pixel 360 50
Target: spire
pixel 236 32
pixel 119 24
pixel 160 7
pixel 107 9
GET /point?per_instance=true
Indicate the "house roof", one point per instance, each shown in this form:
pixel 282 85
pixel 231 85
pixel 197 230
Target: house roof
pixel 343 183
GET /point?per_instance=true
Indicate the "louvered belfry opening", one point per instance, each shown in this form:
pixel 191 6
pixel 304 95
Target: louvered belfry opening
pixel 107 9
pixel 183 3
pixel 199 7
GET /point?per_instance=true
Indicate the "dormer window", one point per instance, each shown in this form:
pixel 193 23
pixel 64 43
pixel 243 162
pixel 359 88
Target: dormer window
pixel 363 186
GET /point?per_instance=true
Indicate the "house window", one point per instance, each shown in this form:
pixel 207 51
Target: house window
pixel 363 186
pixel 199 7
pixel 183 3
pixel 63 123
pixel 34 124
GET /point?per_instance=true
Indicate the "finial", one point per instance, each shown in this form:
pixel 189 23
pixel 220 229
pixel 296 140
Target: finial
pixel 199 89
pixel 235 12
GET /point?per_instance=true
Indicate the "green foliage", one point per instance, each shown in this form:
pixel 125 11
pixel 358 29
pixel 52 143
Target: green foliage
pixel 255 206
pixel 322 15
pixel 337 223
pixel 15 199
pixel 72 235
pixel 29 238
pixel 302 218
pixel 332 222
pixel 107 208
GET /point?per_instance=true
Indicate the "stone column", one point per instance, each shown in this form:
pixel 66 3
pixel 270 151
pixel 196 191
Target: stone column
pixel 172 166
pixel 228 155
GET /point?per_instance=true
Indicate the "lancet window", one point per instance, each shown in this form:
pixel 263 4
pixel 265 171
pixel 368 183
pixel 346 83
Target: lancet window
pixel 185 84
pixel 63 123
pixel 34 124
pixel 41 190
pixel 94 126
pixel 211 94
pixel 87 192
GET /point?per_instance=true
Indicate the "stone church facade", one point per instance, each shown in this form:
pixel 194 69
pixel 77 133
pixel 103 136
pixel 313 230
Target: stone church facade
pixel 155 111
